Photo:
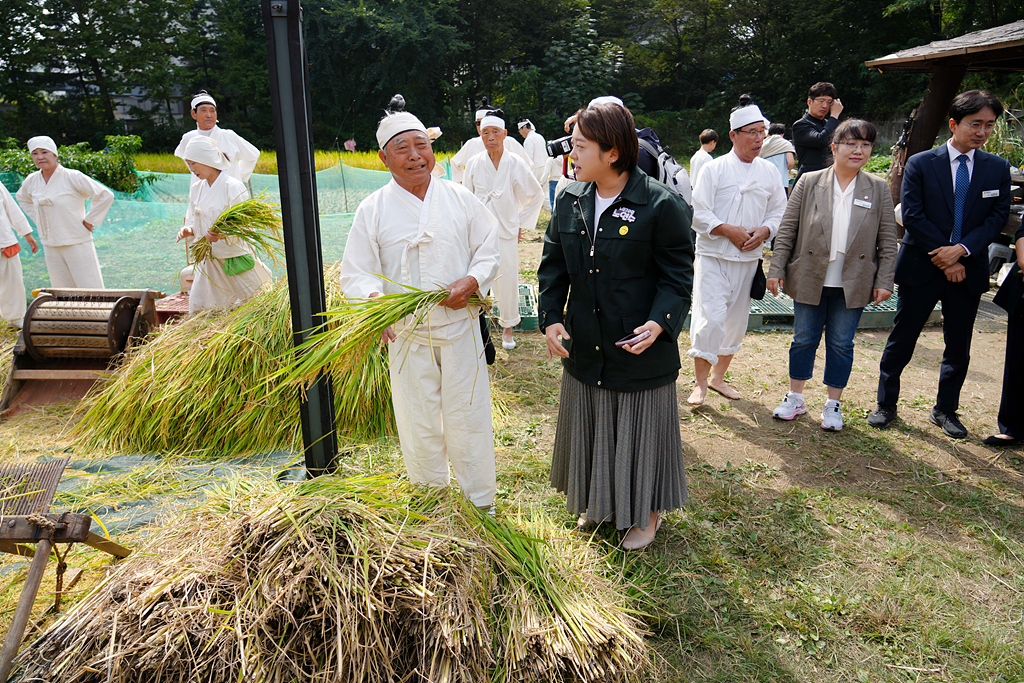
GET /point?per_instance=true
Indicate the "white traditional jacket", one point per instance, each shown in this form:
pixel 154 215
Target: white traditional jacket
pixel 206 203
pixel 242 155
pixel 57 207
pixel 475 146
pixel 733 192
pixel 12 220
pixel 507 191
pixel 396 240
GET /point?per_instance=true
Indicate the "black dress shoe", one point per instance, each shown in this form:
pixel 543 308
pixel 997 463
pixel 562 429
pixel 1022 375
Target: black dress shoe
pixel 882 417
pixel 950 424
pixel 1002 443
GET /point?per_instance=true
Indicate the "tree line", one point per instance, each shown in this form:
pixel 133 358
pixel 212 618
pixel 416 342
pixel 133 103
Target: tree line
pixel 679 64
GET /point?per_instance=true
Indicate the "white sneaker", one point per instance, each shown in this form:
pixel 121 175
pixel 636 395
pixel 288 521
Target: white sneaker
pixel 832 417
pixel 790 407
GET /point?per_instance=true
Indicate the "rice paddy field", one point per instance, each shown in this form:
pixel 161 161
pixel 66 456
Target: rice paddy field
pixel 803 556
pixel 267 164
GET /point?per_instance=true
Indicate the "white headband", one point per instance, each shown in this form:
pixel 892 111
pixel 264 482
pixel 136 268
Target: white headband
pixel 203 150
pixel 203 99
pixel 526 123
pixel 42 142
pixel 480 113
pixel 605 99
pixel 744 116
pixel 399 122
pixel 492 121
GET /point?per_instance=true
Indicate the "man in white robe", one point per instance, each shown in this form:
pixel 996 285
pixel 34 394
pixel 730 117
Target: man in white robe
pixel 423 231
pixel 54 198
pixel 12 284
pixel 509 189
pixel 540 163
pixel 737 205
pixel 241 155
pixel 475 145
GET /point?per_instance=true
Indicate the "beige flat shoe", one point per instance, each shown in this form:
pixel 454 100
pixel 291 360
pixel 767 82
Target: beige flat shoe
pixel 635 539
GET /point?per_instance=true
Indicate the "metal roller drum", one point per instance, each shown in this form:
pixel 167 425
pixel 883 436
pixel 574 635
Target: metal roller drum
pixel 90 327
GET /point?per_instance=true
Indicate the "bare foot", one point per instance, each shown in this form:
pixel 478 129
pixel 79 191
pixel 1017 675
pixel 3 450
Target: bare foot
pixel 697 396
pixel 724 389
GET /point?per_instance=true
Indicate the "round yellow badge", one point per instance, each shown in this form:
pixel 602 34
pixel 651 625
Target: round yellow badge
pixel 623 230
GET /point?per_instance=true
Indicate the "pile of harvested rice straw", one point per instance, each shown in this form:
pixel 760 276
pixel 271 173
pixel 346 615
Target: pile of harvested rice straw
pixel 337 579
pixel 203 385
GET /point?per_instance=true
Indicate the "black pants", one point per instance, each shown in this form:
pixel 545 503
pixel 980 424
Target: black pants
pixel 959 309
pixel 1011 405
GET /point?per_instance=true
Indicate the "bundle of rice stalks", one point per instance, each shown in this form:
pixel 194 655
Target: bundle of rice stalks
pixel 345 580
pixel 253 221
pixel 202 385
pixel 353 328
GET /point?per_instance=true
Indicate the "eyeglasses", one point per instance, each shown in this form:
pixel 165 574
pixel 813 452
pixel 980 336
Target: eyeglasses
pixel 755 133
pixel 978 125
pixel 857 146
pixel 827 101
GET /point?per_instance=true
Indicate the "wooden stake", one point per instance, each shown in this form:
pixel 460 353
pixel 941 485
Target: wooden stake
pixel 28 597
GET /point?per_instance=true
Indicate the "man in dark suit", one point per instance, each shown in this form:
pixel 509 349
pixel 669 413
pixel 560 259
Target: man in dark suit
pixel 956 199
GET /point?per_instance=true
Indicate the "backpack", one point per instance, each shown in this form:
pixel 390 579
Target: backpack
pixel 662 167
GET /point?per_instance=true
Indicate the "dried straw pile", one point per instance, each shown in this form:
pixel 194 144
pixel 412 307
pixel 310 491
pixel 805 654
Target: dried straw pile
pixel 347 580
pixel 204 385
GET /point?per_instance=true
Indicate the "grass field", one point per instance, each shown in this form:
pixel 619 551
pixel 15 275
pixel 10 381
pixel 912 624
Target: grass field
pixel 890 556
pixel 168 163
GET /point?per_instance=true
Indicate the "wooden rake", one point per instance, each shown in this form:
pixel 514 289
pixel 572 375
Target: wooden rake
pixel 26 492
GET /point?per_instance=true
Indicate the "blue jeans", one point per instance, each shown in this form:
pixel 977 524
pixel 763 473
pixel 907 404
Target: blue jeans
pixel 839 324
pixel 552 184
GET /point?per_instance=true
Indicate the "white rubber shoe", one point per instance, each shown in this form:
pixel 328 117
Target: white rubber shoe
pixel 790 407
pixel 832 416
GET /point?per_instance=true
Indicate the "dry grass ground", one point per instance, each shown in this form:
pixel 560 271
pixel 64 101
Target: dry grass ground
pixel 803 555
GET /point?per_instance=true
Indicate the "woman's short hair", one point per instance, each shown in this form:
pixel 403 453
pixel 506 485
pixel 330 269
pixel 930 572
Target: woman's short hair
pixel 777 129
pixel 611 126
pixel 973 101
pixel 855 129
pixel 708 135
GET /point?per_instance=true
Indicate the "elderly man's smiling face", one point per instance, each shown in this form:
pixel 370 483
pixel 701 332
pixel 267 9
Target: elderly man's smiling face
pixel 409 157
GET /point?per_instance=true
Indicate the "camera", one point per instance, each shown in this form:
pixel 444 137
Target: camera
pixel 560 146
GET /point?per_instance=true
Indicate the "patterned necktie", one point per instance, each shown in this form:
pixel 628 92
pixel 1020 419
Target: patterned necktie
pixel 963 180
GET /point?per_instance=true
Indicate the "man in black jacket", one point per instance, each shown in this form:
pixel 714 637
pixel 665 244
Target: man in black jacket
pixel 812 133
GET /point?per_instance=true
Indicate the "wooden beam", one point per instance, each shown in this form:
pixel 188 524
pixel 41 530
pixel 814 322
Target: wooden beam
pixel 106 545
pixel 13 548
pixel 16 630
pixel 72 528
pixel 59 374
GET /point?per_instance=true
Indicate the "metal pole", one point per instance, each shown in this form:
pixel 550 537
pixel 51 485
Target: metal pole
pixel 289 95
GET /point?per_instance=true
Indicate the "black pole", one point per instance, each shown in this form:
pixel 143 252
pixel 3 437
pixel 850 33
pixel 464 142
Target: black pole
pixel 289 95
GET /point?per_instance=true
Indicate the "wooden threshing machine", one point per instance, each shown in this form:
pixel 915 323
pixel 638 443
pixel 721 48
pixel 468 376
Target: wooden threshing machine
pixel 70 338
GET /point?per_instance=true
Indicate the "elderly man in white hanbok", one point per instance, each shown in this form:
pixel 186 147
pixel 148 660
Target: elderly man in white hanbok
pixel 54 198
pixel 474 146
pixel 232 273
pixel 12 285
pixel 540 163
pixel 423 231
pixel 737 205
pixel 509 189
pixel 241 155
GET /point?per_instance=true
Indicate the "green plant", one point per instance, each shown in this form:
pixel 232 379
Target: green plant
pixel 1006 140
pixel 113 166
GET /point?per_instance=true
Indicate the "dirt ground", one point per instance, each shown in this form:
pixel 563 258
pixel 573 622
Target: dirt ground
pixel 725 432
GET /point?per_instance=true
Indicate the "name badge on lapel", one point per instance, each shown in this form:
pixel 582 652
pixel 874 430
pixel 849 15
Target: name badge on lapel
pixel 989 193
pixel 862 203
pixel 625 214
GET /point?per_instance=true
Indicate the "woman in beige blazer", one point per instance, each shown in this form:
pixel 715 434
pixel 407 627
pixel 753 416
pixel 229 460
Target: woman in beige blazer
pixel 834 254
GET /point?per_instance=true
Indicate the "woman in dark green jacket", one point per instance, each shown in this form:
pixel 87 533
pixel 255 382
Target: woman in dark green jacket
pixel 618 261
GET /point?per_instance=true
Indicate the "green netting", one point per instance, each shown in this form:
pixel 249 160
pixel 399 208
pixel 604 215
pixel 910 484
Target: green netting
pixel 136 243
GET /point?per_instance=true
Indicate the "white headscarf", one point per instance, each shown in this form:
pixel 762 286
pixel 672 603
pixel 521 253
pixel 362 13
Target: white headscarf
pixel 480 113
pixel 492 121
pixel 526 123
pixel 203 150
pixel 42 142
pixel 203 99
pixel 605 99
pixel 399 122
pixel 744 116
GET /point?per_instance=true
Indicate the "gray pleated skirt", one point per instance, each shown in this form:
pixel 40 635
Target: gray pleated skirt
pixel 618 455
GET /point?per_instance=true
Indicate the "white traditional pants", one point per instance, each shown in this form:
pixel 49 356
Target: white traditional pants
pixel 506 284
pixel 12 290
pixel 721 306
pixel 74 265
pixel 213 288
pixel 442 402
